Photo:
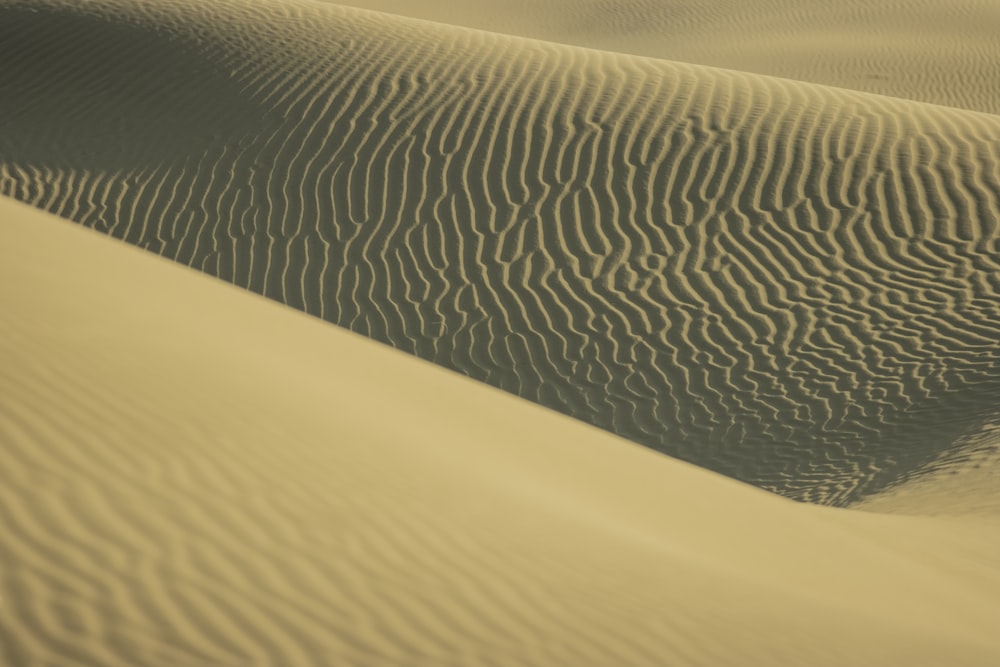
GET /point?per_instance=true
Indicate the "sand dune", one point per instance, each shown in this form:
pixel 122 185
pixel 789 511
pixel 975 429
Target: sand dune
pixel 793 285
pixel 796 286
pixel 963 481
pixel 194 475
pixel 943 53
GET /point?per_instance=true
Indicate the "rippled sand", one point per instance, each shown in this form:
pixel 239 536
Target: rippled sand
pixel 197 476
pixel 794 285
pixel 941 52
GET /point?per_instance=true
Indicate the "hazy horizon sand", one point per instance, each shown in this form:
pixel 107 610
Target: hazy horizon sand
pixel 791 284
pixel 943 53
pixel 197 476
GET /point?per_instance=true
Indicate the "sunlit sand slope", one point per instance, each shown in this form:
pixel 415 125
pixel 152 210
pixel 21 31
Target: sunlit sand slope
pixel 195 476
pixel 940 52
pixel 793 285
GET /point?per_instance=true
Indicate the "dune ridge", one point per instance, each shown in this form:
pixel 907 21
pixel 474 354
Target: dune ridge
pixel 944 54
pixel 194 475
pixel 793 285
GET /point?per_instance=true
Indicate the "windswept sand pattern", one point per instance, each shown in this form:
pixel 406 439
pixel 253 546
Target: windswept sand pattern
pixel 939 52
pixel 196 477
pixel 792 285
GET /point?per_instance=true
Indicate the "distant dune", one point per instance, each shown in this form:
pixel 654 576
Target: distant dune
pixel 939 52
pixel 794 285
pixel 195 476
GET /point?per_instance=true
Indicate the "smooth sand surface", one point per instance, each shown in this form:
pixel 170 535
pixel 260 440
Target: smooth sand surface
pixel 195 476
pixel 940 52
pixel 791 284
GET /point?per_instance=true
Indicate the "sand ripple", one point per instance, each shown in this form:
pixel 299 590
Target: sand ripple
pixel 792 285
pixel 197 477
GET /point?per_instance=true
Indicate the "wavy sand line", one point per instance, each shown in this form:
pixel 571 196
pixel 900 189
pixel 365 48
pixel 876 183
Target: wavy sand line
pixel 196 476
pixel 914 49
pixel 790 284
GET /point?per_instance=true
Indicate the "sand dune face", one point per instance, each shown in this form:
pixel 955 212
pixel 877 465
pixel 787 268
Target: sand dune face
pixel 194 476
pixel 943 53
pixel 963 481
pixel 792 285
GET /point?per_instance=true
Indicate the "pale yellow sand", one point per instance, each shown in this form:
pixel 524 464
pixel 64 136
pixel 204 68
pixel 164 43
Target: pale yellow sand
pixel 194 475
pixel 941 52
pixel 964 482
pixel 794 285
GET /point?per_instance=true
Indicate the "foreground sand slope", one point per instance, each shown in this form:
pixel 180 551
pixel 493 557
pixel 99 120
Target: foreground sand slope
pixel 941 52
pixel 196 476
pixel 793 285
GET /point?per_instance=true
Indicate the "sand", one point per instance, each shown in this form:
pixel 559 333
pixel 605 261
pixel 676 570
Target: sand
pixel 638 305
pixel 790 284
pixel 940 52
pixel 195 475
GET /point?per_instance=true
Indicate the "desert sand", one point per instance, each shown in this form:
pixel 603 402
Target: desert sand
pixel 640 307
pixel 791 284
pixel 940 52
pixel 195 475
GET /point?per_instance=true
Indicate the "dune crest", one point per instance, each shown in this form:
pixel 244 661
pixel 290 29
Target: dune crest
pixel 793 285
pixel 942 53
pixel 194 475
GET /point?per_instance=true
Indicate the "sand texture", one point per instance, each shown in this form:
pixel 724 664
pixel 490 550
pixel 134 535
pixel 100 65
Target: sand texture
pixel 640 306
pixel 793 285
pixel 940 52
pixel 196 476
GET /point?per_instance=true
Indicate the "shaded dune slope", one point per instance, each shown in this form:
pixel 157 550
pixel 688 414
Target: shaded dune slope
pixel 792 285
pixel 963 481
pixel 194 476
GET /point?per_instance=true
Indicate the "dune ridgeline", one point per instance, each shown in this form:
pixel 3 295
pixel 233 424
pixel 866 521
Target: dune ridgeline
pixel 942 53
pixel 790 286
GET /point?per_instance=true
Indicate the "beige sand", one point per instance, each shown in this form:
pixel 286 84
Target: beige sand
pixel 198 476
pixel 965 481
pixel 941 52
pixel 790 284
pixel 793 284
